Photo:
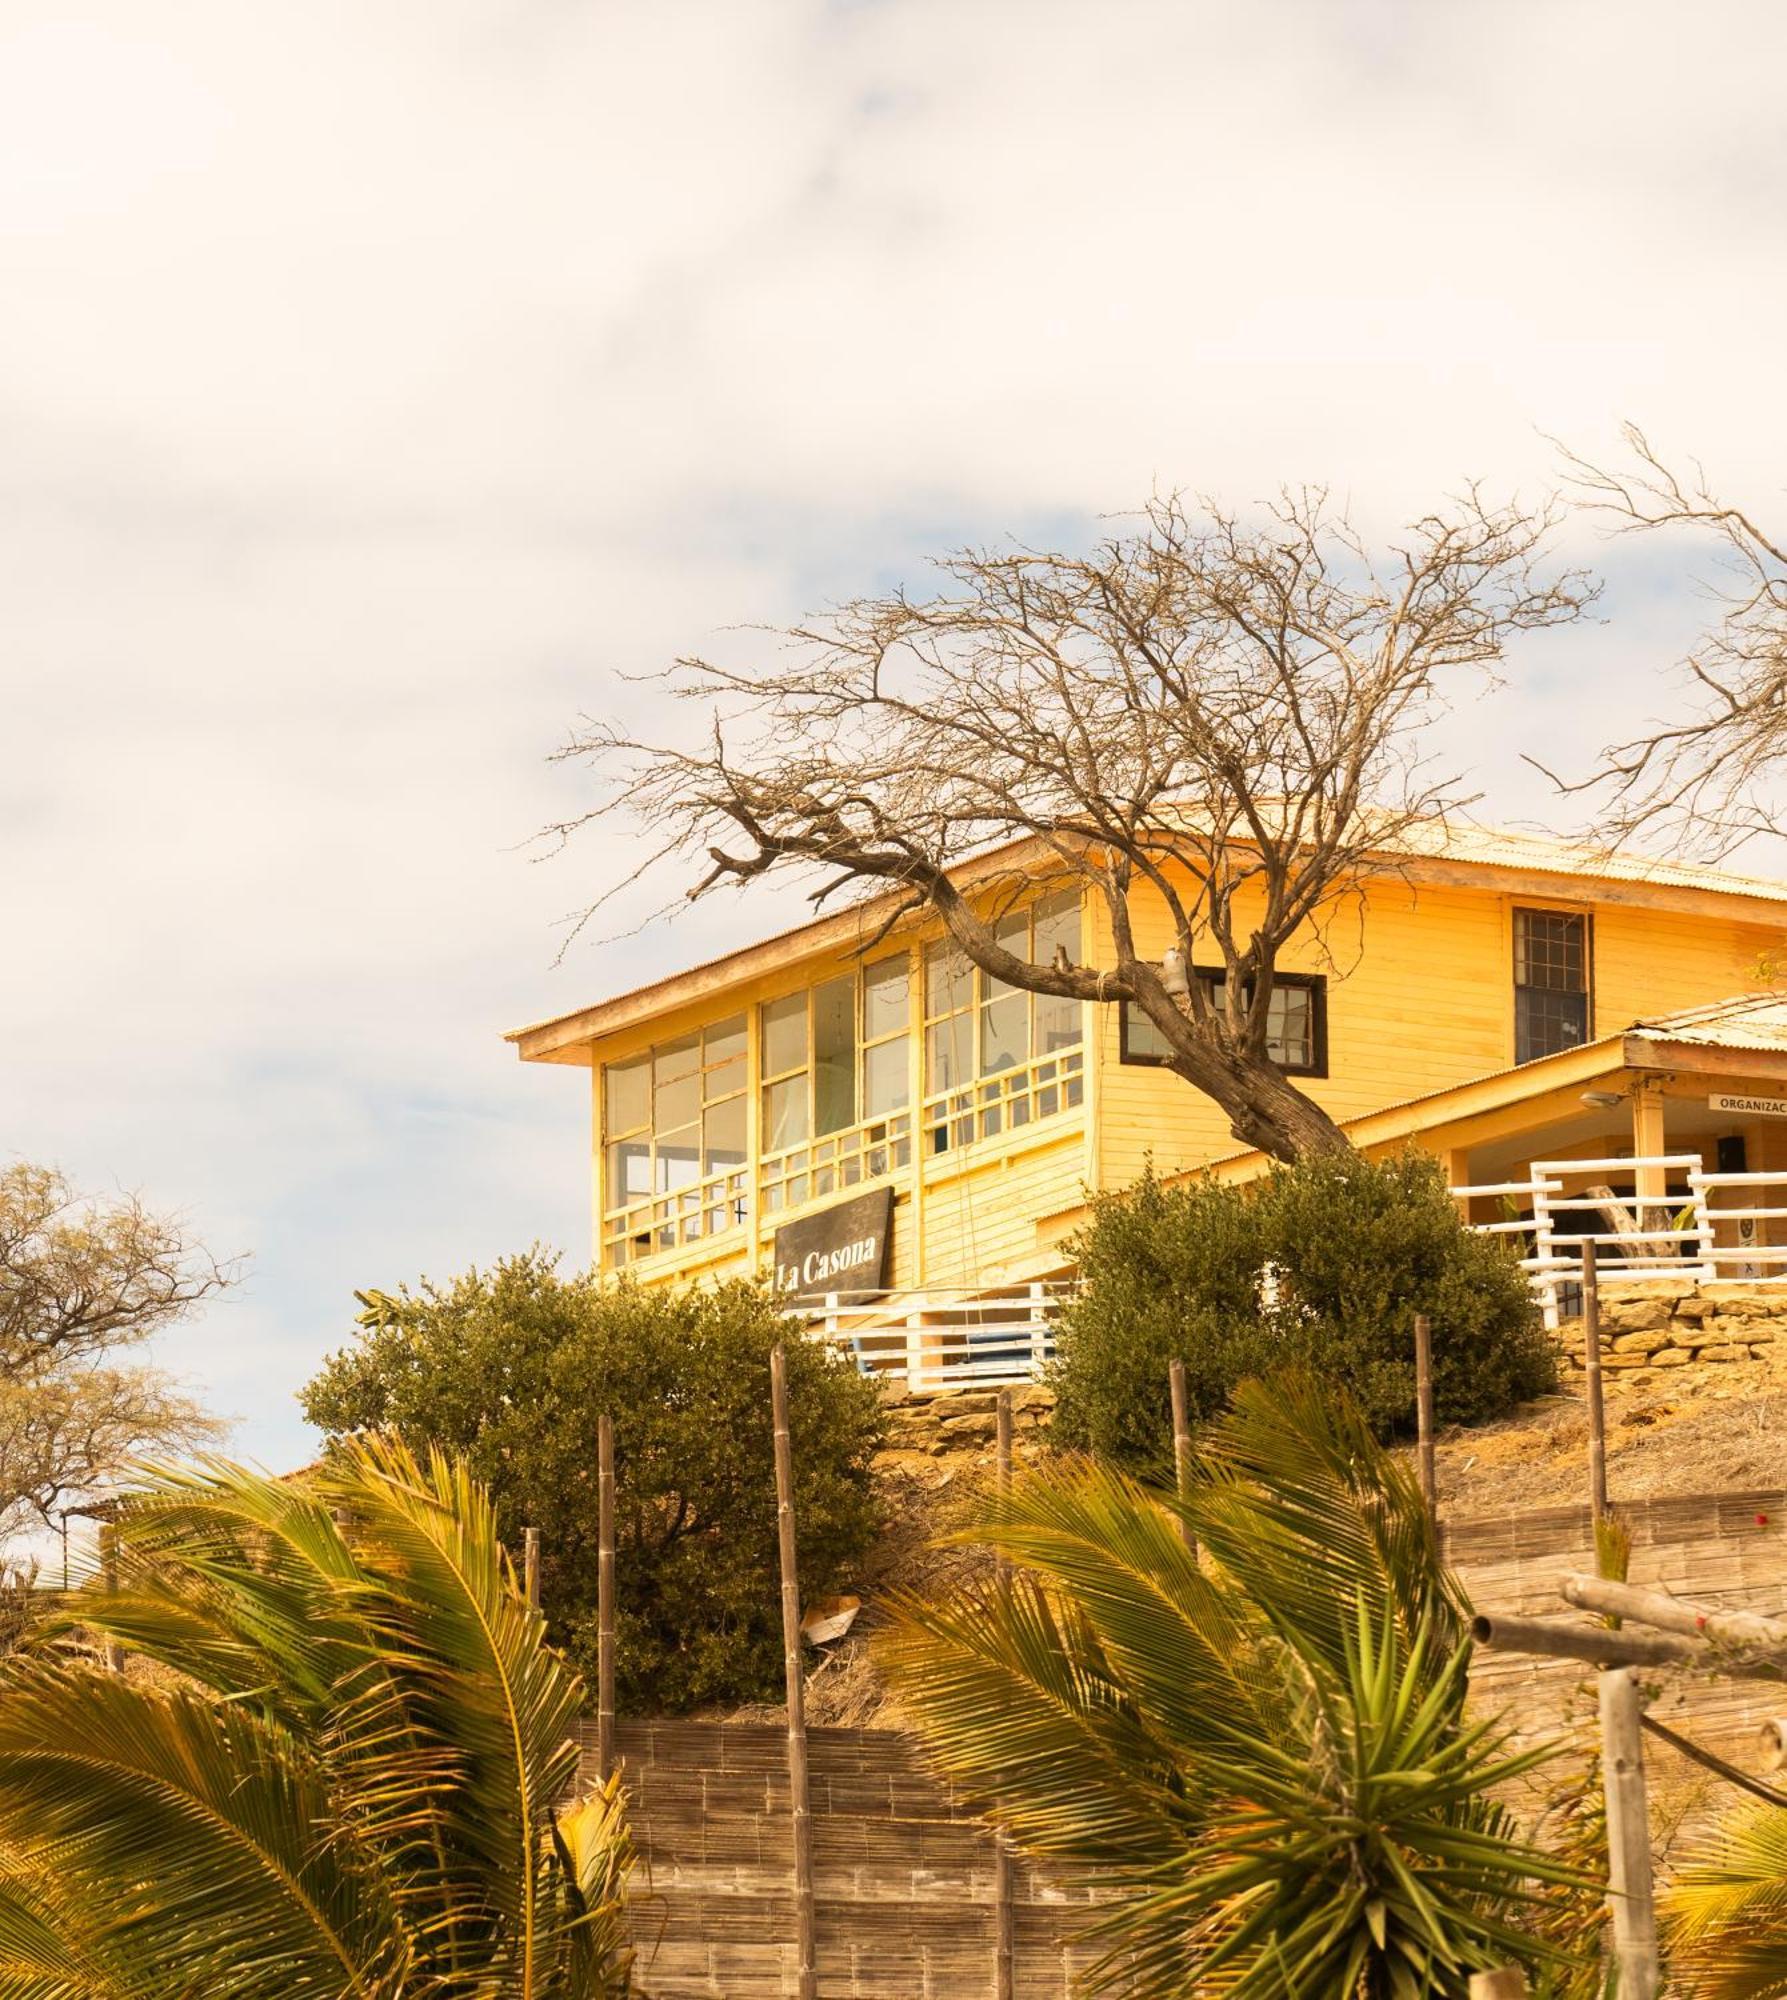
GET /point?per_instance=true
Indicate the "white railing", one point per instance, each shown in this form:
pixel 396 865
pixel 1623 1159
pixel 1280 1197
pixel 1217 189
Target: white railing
pixel 1670 1218
pixel 947 1337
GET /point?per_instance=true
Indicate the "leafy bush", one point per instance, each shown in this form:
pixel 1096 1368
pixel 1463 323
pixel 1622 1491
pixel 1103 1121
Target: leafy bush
pixel 1324 1264
pixel 514 1367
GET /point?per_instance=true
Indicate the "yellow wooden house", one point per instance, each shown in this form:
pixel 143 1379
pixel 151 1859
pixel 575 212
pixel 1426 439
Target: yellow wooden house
pixel 863 1112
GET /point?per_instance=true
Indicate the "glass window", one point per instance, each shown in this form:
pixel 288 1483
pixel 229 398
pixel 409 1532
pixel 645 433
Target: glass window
pixel 626 1089
pixel 672 1118
pixel 785 1035
pixel 723 1136
pixel 886 1078
pixel 834 1054
pixel 886 998
pixel 1296 1024
pixel 785 1113
pixel 1057 936
pixel 1552 968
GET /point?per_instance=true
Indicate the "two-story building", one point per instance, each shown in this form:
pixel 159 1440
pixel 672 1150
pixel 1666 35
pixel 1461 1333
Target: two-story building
pixel 862 1110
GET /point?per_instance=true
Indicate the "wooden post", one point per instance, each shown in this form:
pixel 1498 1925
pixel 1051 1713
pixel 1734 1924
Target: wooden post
pixel 108 1565
pixel 1506 1982
pixel 1003 1916
pixel 605 1596
pixel 1430 1488
pixel 1181 1445
pixel 530 1566
pixel 799 1802
pixel 1628 1835
pixel 1591 1356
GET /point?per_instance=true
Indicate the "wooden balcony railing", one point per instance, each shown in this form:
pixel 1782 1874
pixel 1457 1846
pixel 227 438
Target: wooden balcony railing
pixel 1022 1095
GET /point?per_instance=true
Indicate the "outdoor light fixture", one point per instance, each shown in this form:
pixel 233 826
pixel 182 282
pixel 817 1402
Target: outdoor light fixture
pixel 1602 1100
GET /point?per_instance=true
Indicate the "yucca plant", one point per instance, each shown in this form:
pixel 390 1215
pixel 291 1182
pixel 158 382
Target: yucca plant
pixel 340 1776
pixel 1725 1916
pixel 1260 1754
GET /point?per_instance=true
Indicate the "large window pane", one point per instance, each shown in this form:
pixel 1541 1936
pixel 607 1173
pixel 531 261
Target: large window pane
pixel 784 1113
pixel 785 1035
pixel 949 1053
pixel 886 1078
pixel 676 1101
pixel 886 997
pixel 1058 929
pixel 834 1054
pixel 949 981
pixel 626 1096
pixel 723 1136
pixel 724 1041
pixel 628 1177
pixel 680 1058
pixel 1004 1029
pixel 679 1158
pixel 1290 1027
pixel 1551 982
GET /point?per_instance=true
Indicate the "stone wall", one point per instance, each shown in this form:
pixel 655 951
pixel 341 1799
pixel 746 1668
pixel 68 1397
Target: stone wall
pixel 1661 1323
pixel 959 1424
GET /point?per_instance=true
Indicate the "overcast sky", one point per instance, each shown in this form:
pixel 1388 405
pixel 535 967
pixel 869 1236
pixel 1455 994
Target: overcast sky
pixel 379 378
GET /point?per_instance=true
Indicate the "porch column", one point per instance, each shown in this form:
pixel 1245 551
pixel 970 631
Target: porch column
pixel 1650 1184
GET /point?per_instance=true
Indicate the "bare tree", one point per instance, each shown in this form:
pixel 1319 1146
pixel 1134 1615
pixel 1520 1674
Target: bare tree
pixel 1712 780
pixel 1219 713
pixel 82 1283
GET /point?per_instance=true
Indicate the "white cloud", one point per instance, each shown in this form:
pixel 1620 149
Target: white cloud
pixel 376 381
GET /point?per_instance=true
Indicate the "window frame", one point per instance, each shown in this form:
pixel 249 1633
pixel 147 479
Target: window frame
pixel 1585 915
pixel 1315 984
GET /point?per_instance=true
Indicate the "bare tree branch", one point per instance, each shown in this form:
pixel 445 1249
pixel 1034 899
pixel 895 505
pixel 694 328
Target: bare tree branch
pixel 1220 712
pixel 1713 780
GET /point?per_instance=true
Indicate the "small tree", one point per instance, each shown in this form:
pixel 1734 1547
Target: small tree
pixel 1326 1264
pixel 514 1367
pixel 1219 714
pixel 84 1283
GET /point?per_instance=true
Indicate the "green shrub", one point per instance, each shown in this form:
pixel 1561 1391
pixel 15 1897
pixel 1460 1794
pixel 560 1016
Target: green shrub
pixel 1166 1272
pixel 1324 1264
pixel 513 1367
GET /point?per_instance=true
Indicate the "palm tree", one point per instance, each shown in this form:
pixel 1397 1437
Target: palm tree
pixel 1726 1914
pixel 341 1777
pixel 1259 1754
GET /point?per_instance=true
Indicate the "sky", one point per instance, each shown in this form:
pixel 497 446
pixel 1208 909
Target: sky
pixel 383 381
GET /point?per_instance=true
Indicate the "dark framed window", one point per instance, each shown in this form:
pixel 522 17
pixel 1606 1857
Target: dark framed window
pixel 1296 1026
pixel 1554 967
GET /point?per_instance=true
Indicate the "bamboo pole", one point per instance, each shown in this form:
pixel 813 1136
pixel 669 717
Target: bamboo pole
pixel 1181 1445
pixel 1672 1614
pixel 1430 1485
pixel 530 1566
pixel 799 1802
pixel 1597 1408
pixel 1004 1917
pixel 1558 1639
pixel 1507 1982
pixel 112 1652
pixel 1628 1835
pixel 605 1596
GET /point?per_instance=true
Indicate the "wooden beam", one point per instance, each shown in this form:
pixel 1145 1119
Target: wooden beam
pixel 1597 1404
pixel 1430 1484
pixel 1181 1445
pixel 1630 1889
pixel 1004 1927
pixel 1559 1639
pixel 799 1799
pixel 605 1596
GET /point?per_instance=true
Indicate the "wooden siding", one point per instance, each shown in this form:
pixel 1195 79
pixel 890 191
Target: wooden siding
pixel 1421 996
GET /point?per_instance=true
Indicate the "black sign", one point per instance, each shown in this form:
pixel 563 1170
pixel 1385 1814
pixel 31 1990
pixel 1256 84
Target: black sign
pixel 841 1249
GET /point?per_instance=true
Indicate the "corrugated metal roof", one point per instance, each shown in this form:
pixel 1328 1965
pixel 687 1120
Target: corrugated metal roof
pixel 1755 1021
pixel 1455 840
pixel 1497 847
